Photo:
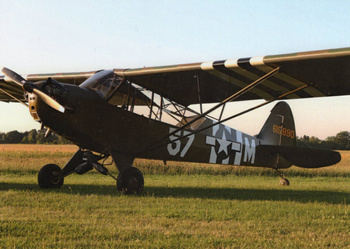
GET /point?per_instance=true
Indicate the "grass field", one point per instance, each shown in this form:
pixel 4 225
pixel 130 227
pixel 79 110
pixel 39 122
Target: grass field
pixel 183 205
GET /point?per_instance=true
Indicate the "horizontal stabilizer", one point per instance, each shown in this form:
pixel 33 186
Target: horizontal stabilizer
pixel 304 157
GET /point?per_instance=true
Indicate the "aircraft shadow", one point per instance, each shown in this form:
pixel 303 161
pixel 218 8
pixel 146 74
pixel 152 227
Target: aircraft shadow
pixel 282 194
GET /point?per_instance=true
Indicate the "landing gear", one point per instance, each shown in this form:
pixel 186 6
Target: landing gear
pixel 130 181
pixel 283 181
pixel 50 176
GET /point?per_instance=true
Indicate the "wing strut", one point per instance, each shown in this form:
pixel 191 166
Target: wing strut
pixel 151 108
pixel 199 93
pixel 244 112
pixel 10 95
pixel 226 119
pixel 232 97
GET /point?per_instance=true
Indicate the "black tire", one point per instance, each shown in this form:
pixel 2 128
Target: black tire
pixel 130 181
pixel 50 176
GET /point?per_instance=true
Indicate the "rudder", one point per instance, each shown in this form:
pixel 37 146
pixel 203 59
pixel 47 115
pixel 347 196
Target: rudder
pixel 279 128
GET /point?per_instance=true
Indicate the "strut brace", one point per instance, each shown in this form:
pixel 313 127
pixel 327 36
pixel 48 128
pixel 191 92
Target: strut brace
pixel 199 93
pixel 241 113
pixel 229 118
pixel 8 94
pixel 232 97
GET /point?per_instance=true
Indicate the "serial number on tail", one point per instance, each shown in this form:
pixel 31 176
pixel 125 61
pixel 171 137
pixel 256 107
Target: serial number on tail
pixel 284 131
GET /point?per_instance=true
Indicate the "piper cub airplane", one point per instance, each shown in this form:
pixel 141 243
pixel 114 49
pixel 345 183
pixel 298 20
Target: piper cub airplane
pixel 148 113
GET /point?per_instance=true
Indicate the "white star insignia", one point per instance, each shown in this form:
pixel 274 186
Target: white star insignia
pixel 223 144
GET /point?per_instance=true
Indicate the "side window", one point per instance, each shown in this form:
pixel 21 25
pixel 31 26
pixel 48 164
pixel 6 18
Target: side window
pixel 104 88
pixel 101 81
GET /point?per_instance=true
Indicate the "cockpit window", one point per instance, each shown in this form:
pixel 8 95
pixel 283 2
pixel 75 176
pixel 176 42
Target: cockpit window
pixel 106 82
pixel 101 81
pixel 104 87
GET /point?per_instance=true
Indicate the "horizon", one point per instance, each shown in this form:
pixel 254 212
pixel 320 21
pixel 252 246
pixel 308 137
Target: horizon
pixel 297 136
pixel 66 36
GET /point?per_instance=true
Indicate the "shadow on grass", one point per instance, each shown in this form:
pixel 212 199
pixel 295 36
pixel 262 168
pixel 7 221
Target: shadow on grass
pixel 282 194
pixel 233 171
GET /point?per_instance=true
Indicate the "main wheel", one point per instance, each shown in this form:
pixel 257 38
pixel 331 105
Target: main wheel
pixel 50 176
pixel 130 181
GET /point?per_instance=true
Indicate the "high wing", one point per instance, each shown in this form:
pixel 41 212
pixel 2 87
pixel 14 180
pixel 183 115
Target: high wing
pixel 326 72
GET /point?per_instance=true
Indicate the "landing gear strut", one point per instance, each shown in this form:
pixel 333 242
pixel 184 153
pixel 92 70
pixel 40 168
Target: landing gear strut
pixel 284 181
pixel 130 180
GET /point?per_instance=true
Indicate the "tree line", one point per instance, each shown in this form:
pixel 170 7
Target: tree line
pixel 31 137
pixel 341 141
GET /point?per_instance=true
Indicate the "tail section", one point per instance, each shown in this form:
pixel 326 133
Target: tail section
pixel 304 157
pixel 279 128
pixel 278 139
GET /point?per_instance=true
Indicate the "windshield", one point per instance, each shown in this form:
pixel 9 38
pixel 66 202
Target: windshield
pixel 101 81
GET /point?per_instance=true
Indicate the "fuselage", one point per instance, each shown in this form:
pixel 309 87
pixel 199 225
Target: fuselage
pixel 93 124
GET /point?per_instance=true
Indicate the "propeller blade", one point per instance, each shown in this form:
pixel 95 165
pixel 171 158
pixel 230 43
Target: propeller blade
pixel 29 86
pixel 48 100
pixel 18 79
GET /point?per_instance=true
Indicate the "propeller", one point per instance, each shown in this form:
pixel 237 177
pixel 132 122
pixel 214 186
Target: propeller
pixel 30 87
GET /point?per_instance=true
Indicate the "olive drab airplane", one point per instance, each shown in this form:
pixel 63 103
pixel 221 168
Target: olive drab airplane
pixel 148 113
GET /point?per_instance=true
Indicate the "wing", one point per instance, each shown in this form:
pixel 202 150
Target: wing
pixel 327 73
pixel 9 91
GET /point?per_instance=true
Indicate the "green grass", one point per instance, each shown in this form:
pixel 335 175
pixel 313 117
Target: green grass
pixel 182 206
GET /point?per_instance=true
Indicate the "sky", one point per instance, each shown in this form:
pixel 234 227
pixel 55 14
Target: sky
pixel 72 36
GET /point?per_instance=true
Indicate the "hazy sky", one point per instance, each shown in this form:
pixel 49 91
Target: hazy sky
pixel 69 36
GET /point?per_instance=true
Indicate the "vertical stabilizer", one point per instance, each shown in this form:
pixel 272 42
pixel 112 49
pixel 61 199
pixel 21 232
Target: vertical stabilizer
pixel 279 128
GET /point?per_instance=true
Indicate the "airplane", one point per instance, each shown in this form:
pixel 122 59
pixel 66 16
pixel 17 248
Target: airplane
pixel 148 113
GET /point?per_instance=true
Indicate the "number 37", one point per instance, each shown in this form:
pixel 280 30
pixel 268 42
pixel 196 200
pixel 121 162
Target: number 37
pixel 175 147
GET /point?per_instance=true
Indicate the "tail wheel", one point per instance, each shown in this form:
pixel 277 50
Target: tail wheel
pixel 50 176
pixel 284 182
pixel 130 181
